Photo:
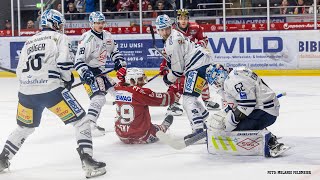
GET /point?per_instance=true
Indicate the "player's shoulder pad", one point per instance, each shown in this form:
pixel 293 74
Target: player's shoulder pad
pixel 178 37
pixel 86 37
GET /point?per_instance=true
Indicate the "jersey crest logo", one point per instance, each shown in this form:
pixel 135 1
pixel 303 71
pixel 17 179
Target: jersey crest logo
pixel 243 95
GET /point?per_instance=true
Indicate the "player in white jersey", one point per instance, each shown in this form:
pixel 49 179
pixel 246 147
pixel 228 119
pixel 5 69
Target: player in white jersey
pixel 250 105
pixel 94 48
pixel 185 57
pixel 45 80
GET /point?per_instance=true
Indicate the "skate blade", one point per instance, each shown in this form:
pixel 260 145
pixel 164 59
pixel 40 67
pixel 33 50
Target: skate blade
pixel 281 151
pixel 95 172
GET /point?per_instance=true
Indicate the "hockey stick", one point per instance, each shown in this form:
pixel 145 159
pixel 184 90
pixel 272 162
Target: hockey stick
pixel 9 70
pixel 173 4
pixel 80 83
pixel 179 144
pixel 47 6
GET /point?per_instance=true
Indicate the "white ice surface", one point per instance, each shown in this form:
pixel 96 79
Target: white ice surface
pixel 49 153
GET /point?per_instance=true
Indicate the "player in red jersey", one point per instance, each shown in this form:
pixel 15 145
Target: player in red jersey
pixel 133 124
pixel 195 33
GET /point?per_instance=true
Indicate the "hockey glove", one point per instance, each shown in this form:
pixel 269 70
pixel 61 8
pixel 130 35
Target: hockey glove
pixel 163 66
pixel 88 77
pixel 119 64
pixel 68 84
pixel 121 74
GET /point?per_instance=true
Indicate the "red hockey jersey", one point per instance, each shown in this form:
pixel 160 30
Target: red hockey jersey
pixel 195 33
pixel 133 117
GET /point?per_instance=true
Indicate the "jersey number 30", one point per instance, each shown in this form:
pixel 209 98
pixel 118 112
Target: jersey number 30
pixel 35 62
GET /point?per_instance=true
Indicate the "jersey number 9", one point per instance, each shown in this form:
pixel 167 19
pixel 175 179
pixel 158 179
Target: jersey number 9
pixel 126 113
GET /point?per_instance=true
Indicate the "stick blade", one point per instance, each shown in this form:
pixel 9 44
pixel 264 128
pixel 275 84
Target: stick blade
pixel 167 139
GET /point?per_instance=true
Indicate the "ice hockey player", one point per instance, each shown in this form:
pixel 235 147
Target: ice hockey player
pixel 252 106
pixel 133 122
pixel 185 58
pixel 45 80
pixel 93 50
pixel 195 33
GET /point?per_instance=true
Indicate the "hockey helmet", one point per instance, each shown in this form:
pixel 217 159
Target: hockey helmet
pixel 163 21
pixel 182 12
pixel 96 17
pixel 52 19
pixel 216 74
pixel 135 76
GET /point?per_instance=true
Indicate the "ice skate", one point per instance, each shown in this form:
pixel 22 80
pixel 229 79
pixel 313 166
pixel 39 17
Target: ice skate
pixel 174 109
pixel 92 167
pixel 211 105
pixel 167 122
pixel 276 148
pixel 4 160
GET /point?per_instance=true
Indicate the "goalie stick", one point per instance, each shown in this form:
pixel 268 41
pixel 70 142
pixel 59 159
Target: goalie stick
pixel 179 143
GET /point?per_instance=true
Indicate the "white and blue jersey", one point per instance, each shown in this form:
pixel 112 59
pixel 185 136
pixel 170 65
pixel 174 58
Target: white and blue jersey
pixel 45 62
pixel 93 51
pixel 184 55
pixel 246 91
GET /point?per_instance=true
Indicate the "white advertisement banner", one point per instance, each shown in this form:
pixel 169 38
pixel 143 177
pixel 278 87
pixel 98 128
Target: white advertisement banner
pixel 256 50
pixel 266 50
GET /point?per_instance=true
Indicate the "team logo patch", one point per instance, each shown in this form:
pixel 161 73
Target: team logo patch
pixel 63 111
pixel 243 95
pixel 24 114
pixel 123 96
pixel 190 81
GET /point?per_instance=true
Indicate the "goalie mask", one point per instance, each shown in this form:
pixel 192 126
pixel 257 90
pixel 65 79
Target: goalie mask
pixel 216 74
pixel 136 77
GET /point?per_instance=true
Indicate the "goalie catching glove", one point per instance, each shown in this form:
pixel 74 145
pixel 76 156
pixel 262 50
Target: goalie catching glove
pixel 223 120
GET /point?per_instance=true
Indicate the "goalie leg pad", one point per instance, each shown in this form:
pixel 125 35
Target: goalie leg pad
pixel 239 143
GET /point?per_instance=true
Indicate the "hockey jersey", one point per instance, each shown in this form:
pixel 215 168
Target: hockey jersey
pixel 195 33
pixel 184 55
pixel 94 49
pixel 45 61
pixel 133 117
pixel 247 91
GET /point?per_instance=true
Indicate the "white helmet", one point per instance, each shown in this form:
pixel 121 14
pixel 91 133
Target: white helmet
pixel 96 17
pixel 52 19
pixel 163 21
pixel 136 74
